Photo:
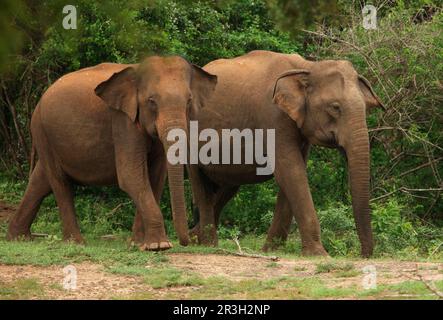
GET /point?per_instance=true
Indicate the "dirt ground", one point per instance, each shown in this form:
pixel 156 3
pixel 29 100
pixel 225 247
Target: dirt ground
pixel 93 282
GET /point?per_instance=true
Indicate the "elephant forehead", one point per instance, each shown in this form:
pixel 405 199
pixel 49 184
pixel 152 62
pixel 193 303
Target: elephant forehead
pixel 176 84
pixel 330 80
pixel 165 65
pixel 333 68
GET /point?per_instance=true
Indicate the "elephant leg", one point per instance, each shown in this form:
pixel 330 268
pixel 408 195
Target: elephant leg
pixel 204 196
pixel 138 230
pixel 281 222
pixel 38 188
pixel 222 197
pixel 279 230
pixel 64 196
pixel 154 236
pixel 290 174
pixel 132 155
pixel 157 174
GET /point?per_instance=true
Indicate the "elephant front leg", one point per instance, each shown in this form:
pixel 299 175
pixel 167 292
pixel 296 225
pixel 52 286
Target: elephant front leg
pixel 152 220
pixel 292 178
pixel 131 156
pixel 148 226
pixel 157 177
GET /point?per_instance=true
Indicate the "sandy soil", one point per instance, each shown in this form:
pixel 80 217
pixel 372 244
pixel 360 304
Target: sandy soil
pixel 93 282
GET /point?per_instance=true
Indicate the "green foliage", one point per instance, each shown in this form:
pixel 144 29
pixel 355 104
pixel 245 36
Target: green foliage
pixel 252 209
pixel 202 32
pixel 396 230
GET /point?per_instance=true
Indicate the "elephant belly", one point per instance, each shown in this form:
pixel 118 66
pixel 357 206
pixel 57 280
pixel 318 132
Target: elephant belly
pixel 87 158
pixel 235 175
pixel 80 142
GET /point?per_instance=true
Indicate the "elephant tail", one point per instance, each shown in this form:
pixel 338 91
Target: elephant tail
pixel 32 161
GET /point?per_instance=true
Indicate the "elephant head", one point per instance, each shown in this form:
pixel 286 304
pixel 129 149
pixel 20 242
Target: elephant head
pixel 328 102
pixel 161 94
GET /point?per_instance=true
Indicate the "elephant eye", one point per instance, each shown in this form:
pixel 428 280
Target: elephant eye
pixel 189 103
pixel 335 106
pixel 334 110
pixel 152 104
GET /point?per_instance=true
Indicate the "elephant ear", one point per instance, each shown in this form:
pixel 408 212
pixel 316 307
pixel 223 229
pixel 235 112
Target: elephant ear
pixel 202 86
pixel 290 94
pixel 371 99
pixel 119 92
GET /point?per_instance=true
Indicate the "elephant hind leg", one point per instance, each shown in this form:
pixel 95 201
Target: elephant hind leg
pixel 221 198
pixel 38 188
pixel 64 196
pixel 281 222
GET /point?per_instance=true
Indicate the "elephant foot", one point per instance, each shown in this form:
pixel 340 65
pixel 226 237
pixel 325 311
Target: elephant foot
pixel 155 246
pixel 367 252
pixel 194 234
pixel 15 234
pixel 207 236
pixel 75 238
pixel 273 244
pixel 314 250
pixel 138 238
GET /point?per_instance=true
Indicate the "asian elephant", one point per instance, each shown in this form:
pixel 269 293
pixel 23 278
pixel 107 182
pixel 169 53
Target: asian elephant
pixel 307 103
pixel 107 125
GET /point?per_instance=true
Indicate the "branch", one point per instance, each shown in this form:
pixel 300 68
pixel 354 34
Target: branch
pixel 15 120
pixel 117 208
pixel 428 284
pixel 240 253
pixel 250 255
pixel 407 190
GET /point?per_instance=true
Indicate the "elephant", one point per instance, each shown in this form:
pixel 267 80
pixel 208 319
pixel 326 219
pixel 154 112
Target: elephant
pixel 108 125
pixel 307 103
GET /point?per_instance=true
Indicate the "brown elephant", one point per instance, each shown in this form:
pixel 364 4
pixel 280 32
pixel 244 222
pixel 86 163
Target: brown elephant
pixel 321 103
pixel 107 125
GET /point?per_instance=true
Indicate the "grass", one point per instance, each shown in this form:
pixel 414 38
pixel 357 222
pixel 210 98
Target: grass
pixel 325 267
pixel 22 289
pixel 166 281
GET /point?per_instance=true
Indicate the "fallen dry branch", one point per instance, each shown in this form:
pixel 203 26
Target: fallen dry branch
pixel 241 253
pixel 249 255
pixel 429 284
pixel 39 235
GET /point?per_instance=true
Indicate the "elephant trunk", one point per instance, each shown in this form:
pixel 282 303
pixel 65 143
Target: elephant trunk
pixel 176 189
pixel 357 152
